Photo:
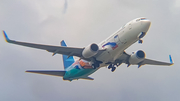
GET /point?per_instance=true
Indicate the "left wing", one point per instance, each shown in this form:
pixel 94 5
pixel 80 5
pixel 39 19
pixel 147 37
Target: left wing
pixel 69 51
pixel 153 62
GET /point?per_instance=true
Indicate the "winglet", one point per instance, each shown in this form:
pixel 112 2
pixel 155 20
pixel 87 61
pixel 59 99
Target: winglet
pixel 171 60
pixel 6 37
pixel 63 43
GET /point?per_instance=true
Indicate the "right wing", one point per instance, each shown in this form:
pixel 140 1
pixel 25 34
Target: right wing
pixel 69 51
pixel 53 49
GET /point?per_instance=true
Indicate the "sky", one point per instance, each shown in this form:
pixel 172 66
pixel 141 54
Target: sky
pixel 80 23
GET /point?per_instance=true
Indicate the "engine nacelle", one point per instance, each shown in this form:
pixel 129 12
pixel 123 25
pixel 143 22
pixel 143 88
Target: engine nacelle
pixel 90 50
pixel 137 57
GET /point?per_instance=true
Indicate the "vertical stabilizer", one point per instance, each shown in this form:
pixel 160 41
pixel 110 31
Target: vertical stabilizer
pixel 68 61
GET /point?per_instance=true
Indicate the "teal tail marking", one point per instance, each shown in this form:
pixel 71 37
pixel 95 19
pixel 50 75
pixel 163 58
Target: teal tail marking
pixel 68 61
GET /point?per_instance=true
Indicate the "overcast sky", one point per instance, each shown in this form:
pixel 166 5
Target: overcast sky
pixel 80 23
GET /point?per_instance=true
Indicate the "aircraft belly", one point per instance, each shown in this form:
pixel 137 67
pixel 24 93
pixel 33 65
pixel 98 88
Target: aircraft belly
pixel 106 55
pixel 110 56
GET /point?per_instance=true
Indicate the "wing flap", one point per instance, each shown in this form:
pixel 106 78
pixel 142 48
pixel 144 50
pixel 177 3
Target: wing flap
pixel 52 73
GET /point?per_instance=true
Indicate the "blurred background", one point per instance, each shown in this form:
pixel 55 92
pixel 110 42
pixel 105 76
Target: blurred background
pixel 80 23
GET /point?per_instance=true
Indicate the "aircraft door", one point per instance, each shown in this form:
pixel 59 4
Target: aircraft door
pixel 130 26
pixel 126 32
pixel 123 37
pixel 116 39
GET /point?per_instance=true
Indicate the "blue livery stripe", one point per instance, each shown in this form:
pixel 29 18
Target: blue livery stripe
pixel 112 44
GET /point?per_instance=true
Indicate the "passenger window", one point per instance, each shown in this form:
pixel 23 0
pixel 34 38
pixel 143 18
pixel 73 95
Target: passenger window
pixel 138 19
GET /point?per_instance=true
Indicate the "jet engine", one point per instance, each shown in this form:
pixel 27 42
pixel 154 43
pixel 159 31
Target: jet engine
pixel 137 57
pixel 90 50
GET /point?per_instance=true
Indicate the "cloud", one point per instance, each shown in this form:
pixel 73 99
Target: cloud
pixel 177 3
pixel 65 6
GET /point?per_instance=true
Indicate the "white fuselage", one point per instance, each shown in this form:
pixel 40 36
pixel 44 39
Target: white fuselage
pixel 124 37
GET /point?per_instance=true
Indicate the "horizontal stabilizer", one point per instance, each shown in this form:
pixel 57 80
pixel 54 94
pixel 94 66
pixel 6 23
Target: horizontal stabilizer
pixel 46 72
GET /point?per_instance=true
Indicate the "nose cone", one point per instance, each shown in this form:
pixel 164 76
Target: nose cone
pixel 145 25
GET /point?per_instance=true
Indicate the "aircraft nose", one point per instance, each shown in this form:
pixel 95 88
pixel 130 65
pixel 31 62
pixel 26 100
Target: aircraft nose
pixel 145 25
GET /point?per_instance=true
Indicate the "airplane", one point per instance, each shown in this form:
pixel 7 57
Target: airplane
pixel 109 53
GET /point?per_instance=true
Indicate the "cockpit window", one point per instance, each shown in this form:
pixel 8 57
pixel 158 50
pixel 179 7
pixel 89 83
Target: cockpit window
pixel 143 18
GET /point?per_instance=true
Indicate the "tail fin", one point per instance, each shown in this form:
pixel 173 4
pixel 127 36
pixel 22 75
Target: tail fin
pixel 67 60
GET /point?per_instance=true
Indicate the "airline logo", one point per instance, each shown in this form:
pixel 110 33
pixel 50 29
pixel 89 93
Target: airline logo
pixel 82 64
pixel 76 65
pixel 112 44
pixel 85 64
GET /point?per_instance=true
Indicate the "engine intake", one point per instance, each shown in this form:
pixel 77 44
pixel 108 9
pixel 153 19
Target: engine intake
pixel 140 54
pixel 137 57
pixel 94 47
pixel 90 50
